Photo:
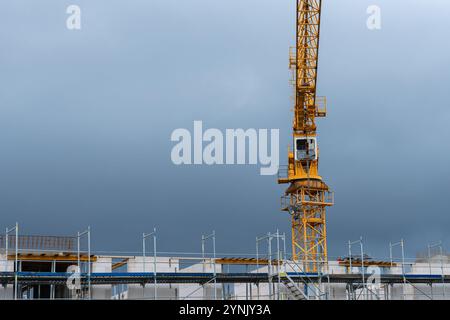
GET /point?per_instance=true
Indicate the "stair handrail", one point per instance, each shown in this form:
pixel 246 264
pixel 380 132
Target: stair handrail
pixel 311 282
pixel 295 285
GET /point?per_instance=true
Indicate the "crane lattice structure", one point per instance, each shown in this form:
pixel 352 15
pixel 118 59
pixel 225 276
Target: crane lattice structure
pixel 307 196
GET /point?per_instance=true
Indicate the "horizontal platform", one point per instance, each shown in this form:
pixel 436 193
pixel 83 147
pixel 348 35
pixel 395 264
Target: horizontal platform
pixel 180 277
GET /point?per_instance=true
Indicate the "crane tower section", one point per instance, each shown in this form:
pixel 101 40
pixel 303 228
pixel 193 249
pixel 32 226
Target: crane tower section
pixel 307 196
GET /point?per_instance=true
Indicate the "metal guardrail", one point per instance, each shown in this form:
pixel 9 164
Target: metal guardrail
pixel 36 242
pixel 287 202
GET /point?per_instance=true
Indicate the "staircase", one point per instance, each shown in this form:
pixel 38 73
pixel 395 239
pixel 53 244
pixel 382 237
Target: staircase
pixel 294 291
pixel 293 288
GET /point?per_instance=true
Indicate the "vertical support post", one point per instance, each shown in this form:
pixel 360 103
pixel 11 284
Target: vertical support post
pixel 362 268
pixel 350 243
pixel 350 271
pixel 429 258
pixel 204 238
pixel 6 248
pixel 87 232
pixel 16 261
pixel 154 265
pixel 6 252
pixel 203 253
pixel 278 264
pixel 257 255
pixel 403 264
pixel 52 287
pixel 78 255
pixel 442 269
pixel 78 251
pixel 215 274
pixel 144 237
pixel 247 283
pixel 401 243
pixel 350 258
pixel 269 240
pixel 429 266
pixel 390 254
pixel 143 252
pixel 257 266
pixel 89 262
pixel 284 252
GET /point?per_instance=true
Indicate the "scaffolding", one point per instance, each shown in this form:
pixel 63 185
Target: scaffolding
pixel 43 271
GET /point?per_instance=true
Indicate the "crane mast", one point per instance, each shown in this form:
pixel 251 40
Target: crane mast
pixel 307 196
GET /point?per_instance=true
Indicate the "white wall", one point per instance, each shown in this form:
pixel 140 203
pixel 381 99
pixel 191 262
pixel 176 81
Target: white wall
pixel 103 264
pixel 163 291
pixel 6 293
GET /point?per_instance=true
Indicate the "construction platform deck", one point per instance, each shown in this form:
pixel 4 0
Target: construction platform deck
pixel 180 277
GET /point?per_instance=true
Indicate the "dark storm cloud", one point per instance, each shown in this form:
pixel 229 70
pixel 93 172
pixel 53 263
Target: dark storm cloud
pixel 86 118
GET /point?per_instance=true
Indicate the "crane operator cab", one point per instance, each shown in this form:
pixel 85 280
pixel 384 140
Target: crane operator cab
pixel 305 148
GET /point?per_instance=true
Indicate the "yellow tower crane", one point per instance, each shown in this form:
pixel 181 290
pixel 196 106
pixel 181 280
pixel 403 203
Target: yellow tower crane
pixel 307 196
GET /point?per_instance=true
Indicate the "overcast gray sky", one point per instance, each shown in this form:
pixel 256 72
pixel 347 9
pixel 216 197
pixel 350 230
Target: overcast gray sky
pixel 86 118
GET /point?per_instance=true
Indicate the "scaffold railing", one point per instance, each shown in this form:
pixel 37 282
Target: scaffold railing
pixel 36 243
